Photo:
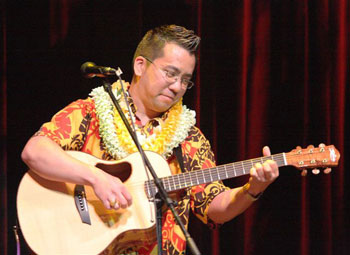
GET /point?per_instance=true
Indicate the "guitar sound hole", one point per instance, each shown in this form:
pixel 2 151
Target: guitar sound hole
pixel 121 170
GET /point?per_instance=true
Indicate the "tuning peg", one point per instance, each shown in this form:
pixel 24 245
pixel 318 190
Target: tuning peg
pixel 304 172
pixel 327 170
pixel 321 145
pixel 315 171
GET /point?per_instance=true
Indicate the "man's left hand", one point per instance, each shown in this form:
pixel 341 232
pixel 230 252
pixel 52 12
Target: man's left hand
pixel 262 175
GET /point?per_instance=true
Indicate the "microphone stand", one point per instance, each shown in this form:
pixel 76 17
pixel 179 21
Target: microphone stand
pixel 161 191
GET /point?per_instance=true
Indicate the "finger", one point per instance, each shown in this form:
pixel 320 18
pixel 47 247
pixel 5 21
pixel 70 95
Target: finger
pixel 123 202
pixel 127 196
pixel 107 204
pixel 124 197
pixel 259 172
pixel 253 172
pixel 266 151
pixel 116 205
pixel 113 203
pixel 272 168
pixel 268 175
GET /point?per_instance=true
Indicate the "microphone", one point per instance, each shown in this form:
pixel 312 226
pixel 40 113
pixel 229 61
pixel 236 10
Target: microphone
pixel 90 70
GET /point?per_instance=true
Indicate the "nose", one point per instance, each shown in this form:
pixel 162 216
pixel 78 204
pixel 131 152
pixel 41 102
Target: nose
pixel 176 86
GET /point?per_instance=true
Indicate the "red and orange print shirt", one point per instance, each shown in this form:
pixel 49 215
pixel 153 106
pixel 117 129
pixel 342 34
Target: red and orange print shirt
pixel 76 127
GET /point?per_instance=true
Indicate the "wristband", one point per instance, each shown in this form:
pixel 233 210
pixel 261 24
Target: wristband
pixel 250 195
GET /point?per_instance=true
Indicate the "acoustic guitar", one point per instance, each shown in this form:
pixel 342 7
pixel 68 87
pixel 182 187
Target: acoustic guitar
pixel 65 218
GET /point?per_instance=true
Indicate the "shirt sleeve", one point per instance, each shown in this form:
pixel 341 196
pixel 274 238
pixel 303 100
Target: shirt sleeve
pixel 69 127
pixel 198 155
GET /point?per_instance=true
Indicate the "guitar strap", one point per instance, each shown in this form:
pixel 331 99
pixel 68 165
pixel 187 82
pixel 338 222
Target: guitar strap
pixel 178 155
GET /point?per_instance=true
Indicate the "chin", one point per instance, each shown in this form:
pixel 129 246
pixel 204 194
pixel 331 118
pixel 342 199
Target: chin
pixel 163 107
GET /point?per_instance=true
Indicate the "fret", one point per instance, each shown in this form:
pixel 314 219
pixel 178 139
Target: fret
pixel 211 177
pixel 165 181
pixel 178 186
pixel 171 181
pixel 174 181
pixel 248 165
pixel 191 179
pixel 182 181
pixel 219 170
pixel 234 169
pixel 225 172
pixel 242 166
pixel 218 174
pixel 204 180
pixel 212 174
pixel 194 177
pixel 187 180
pixel 196 173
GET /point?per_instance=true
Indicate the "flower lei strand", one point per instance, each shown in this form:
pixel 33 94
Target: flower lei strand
pixel 117 139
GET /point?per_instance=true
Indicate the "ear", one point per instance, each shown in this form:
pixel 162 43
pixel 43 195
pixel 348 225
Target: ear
pixel 140 64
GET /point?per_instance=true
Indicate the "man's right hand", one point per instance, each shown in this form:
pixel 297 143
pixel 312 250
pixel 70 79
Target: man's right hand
pixel 110 190
pixel 50 161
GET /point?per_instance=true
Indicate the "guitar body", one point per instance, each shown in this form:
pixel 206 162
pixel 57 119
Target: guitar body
pixel 51 224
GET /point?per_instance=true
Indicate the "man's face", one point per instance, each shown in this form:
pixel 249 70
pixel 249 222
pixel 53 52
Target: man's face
pixel 158 94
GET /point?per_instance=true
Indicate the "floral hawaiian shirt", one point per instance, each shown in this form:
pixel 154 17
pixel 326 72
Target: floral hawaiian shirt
pixel 76 127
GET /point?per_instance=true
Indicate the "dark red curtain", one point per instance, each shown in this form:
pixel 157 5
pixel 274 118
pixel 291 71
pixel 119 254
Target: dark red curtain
pixel 269 73
pixel 3 134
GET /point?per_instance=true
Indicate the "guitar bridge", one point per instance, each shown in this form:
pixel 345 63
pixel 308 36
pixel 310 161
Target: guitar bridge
pixel 81 204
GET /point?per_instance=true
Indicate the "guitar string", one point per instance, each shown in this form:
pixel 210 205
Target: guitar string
pixel 212 174
pixel 202 176
pixel 207 172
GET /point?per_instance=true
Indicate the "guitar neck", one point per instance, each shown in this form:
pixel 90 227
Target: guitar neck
pixel 222 172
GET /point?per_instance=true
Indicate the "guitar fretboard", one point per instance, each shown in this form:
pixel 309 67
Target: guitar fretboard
pixel 222 172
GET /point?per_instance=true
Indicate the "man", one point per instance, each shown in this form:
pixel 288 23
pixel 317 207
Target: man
pixel 163 65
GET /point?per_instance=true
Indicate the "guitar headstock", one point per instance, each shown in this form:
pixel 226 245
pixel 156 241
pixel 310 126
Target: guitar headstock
pixel 314 158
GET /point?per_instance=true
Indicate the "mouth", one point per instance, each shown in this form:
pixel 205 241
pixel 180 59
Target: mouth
pixel 169 97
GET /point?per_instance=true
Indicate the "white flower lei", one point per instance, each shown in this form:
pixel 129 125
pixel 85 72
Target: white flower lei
pixel 104 109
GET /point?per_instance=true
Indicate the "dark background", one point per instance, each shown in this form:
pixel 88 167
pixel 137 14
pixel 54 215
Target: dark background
pixel 269 73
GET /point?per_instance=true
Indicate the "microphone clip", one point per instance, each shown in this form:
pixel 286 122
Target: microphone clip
pixel 90 70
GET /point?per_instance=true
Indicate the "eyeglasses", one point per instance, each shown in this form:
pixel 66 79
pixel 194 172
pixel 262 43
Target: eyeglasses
pixel 171 76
